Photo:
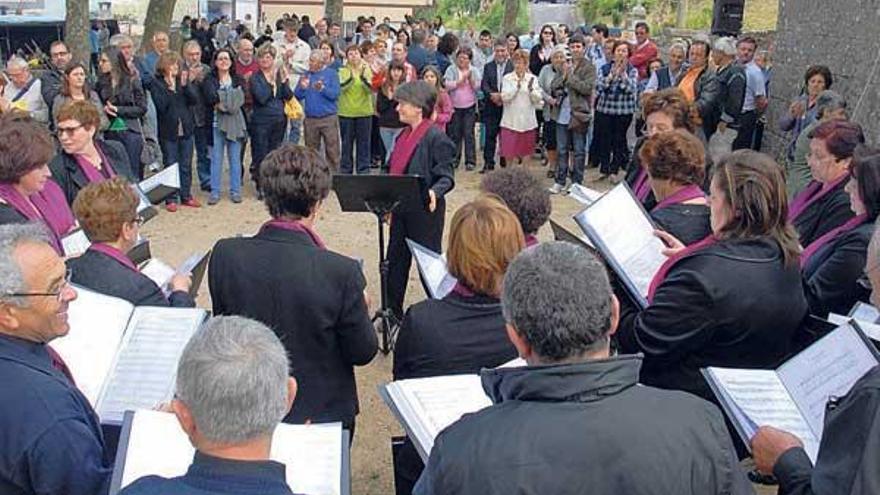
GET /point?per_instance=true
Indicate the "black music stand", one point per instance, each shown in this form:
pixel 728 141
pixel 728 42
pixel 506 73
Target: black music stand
pixel 380 195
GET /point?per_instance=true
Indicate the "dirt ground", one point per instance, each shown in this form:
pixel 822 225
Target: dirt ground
pixel 174 236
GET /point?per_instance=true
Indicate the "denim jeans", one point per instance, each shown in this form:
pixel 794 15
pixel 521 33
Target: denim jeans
pixel 203 155
pixel 233 153
pixel 355 132
pixel 295 131
pixel 179 151
pixel 565 138
pixel 388 134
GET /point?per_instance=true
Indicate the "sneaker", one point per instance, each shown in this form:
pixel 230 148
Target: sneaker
pixel 213 200
pixel 236 198
pixel 469 166
pixel 192 203
pixel 171 207
pixel 556 188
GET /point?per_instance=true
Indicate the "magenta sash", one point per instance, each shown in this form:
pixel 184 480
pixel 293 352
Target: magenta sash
pixel 813 192
pixel 93 174
pixel 641 186
pixel 684 194
pixel 665 268
pixel 531 240
pixel 462 290
pixel 48 206
pixel 295 226
pixel 115 254
pixel 831 236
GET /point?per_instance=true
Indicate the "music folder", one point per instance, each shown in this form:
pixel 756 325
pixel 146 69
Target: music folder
pixel 623 233
pixel 867 317
pixel 560 233
pixel 124 357
pixel 316 456
pixel 161 185
pixel 432 266
pixel 794 396
pixel 160 272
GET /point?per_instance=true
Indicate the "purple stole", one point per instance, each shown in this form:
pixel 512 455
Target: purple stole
pixel 115 254
pixel 641 186
pixel 531 240
pixel 665 268
pixel 295 226
pixel 462 290
pixel 830 236
pixel 684 194
pixel 814 192
pixel 48 206
pixel 92 174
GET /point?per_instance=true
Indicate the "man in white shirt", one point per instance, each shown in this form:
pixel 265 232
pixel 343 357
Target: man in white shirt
pixel 23 91
pixel 293 54
pixel 756 93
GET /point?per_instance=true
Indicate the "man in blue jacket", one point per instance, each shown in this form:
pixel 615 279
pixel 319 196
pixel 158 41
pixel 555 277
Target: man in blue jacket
pixel 318 89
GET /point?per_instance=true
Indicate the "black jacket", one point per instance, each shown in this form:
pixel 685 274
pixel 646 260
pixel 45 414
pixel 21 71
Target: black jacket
pixel 584 428
pixel 174 108
pixel 129 97
pixel 268 103
pixel 731 97
pixel 386 111
pixel 687 223
pixel 829 212
pixel 491 84
pixel 706 92
pixel 732 304
pixel 535 62
pixel 68 175
pixel 313 299
pixel 432 162
pixel 832 274
pixel 849 453
pixel 101 273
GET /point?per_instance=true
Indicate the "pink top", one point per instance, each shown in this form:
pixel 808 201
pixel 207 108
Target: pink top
pixel 463 94
pixel 443 108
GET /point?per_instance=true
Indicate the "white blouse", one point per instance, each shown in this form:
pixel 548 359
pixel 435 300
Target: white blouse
pixel 521 97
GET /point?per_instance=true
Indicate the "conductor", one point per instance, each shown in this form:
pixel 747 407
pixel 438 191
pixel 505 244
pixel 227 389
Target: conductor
pixel 423 150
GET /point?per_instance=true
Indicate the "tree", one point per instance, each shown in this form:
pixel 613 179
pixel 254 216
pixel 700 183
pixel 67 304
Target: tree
pixel 333 10
pixel 159 13
pixel 508 22
pixel 76 31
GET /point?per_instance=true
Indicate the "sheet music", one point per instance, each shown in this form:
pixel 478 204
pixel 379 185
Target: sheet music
pixel 312 454
pixel 433 268
pixel 762 399
pixel 627 233
pixel 584 195
pixel 144 371
pixel 75 243
pixel 431 404
pixel 97 323
pixel 826 369
pixel 865 312
pixel 169 176
pixel 159 272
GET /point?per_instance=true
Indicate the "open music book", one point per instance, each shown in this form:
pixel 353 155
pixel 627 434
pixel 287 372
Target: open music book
pixel 793 397
pixel 623 233
pixel 425 406
pixel 584 195
pixel 162 184
pixel 316 456
pixel 161 273
pixel 432 266
pixel 866 316
pixel 124 357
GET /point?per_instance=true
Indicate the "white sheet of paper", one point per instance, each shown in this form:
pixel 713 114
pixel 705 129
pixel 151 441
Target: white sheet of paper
pixel 143 200
pixel 158 271
pixel 312 454
pixel 97 323
pixel 143 373
pixel 628 234
pixel 584 195
pixel 433 267
pixel 75 243
pixel 865 312
pixel 169 176
pixel 872 330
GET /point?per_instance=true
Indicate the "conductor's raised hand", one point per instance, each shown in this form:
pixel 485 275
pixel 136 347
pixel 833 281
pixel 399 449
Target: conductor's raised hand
pixel 673 245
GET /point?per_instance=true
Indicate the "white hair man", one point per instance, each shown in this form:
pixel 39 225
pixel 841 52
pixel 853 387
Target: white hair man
pixel 293 55
pixel 23 92
pixel 52 440
pixel 731 80
pixel 233 388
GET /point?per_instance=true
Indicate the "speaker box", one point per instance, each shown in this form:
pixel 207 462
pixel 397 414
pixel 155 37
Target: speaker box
pixel 727 17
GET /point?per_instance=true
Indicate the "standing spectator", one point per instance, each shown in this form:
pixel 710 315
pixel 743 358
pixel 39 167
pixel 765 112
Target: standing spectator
pixel 802 114
pixel 202 36
pixel 667 75
pixel 192 63
pixel 320 35
pixel 328 51
pixel 462 81
pixel 540 53
pixel 125 103
pixel 334 34
pixel 483 51
pixel 755 101
pixel 245 66
pixel 521 95
pixel 399 54
pixel 94 46
pixel 51 80
pixel 103 34
pixel 160 46
pixel 617 102
pixel 75 86
pixel 319 90
pixel 270 89
pixel 596 53
pixel 293 55
pixel 644 51
pixel 731 86
pixel 306 31
pixel 417 55
pixel 403 37
pixel 512 43
pixel 557 67
pixel 700 85
pixel 22 92
pixel 445 49
pixel 389 120
pixel 174 94
pixel 490 84
pixel 438 28
pixel 443 108
pixel 224 93
pixel 365 34
pixel 355 111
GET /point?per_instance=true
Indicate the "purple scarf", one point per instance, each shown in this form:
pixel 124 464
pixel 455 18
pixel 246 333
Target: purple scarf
pixel 814 192
pixel 831 236
pixel 531 240
pixel 92 174
pixel 641 187
pixel 48 206
pixel 462 290
pixel 682 195
pixel 114 253
pixel 295 226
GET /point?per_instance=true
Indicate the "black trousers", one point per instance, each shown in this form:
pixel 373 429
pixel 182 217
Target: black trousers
pixel 492 121
pixel 746 131
pixel 612 150
pixel 461 131
pixel 421 227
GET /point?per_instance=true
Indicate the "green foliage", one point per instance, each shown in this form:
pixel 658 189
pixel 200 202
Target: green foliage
pixel 459 14
pixel 613 11
pixel 699 16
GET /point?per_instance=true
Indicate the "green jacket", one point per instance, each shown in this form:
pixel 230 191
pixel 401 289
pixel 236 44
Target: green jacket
pixel 356 97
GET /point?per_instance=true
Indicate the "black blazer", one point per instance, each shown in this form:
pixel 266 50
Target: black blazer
pixel 733 304
pixel 174 108
pixel 491 84
pixel 101 273
pixel 687 223
pixel 452 335
pixel 830 212
pixel 313 299
pixel 831 275
pixel 432 161
pixel 68 175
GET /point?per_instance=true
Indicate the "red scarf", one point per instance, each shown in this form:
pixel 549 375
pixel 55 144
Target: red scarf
pixel 295 226
pixel 114 253
pixel 682 195
pixel 48 206
pixel 831 236
pixel 666 267
pixel 405 146
pixel 641 187
pixel 814 192
pixel 93 174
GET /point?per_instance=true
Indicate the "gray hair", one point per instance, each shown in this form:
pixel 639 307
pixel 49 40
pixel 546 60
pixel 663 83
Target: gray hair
pixel 558 298
pixel 18 63
pixel 11 277
pixel 189 44
pixel 117 40
pixel 678 45
pixel 829 100
pixel 725 45
pixel 418 93
pixel 317 55
pixel 233 377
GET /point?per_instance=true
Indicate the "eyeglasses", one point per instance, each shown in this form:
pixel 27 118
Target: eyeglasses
pixel 59 293
pixel 68 130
